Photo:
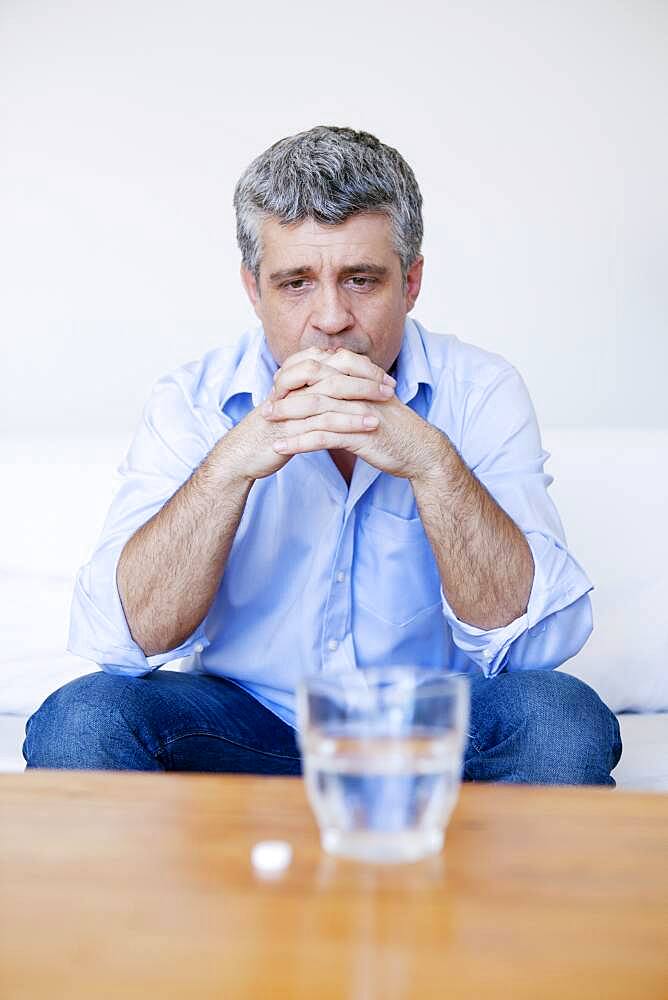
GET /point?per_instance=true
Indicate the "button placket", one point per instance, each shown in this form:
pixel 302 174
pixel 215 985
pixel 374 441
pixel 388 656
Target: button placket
pixel 337 614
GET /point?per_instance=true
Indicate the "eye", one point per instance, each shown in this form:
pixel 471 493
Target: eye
pixel 295 284
pixel 362 281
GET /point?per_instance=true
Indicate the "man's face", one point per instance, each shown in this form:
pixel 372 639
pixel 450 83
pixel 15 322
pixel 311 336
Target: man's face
pixel 333 286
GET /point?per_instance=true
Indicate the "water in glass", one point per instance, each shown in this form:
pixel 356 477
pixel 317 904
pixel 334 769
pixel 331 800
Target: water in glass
pixel 382 762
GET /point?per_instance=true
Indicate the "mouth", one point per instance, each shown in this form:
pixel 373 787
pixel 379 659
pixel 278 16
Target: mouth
pixel 332 349
pixel 331 346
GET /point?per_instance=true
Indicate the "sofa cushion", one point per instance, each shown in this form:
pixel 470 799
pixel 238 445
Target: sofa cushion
pixel 611 489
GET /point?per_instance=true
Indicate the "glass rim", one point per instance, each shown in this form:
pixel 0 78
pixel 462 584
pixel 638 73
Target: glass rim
pixel 320 682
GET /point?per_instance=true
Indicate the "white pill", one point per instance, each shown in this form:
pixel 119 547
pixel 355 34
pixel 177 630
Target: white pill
pixel 271 856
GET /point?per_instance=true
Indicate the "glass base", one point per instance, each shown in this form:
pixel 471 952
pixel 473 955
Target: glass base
pixel 382 848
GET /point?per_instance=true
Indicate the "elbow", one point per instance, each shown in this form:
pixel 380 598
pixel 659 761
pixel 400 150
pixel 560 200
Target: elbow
pixel 575 627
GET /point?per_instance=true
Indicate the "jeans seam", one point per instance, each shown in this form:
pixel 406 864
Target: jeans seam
pixel 497 746
pixel 474 741
pixel 216 736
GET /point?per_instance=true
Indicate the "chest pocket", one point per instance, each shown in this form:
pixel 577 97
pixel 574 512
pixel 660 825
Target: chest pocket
pixel 396 576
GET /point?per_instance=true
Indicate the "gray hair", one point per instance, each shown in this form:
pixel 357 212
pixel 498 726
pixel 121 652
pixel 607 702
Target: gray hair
pixel 328 174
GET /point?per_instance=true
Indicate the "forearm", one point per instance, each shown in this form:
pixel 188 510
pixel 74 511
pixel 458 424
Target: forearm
pixel 170 569
pixel 485 563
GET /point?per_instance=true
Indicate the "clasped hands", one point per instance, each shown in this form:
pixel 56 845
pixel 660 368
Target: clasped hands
pixel 326 399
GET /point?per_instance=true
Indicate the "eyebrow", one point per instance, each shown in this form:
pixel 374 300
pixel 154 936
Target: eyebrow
pixel 367 267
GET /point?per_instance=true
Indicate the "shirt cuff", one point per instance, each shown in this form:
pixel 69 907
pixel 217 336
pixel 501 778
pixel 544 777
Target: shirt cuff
pixel 196 643
pixel 486 647
pixel 558 581
pixel 99 630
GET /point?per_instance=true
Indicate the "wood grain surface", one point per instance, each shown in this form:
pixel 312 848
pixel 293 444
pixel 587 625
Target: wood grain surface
pixel 130 884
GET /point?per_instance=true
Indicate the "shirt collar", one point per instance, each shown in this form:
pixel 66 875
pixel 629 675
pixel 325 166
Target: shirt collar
pixel 254 375
pixel 412 369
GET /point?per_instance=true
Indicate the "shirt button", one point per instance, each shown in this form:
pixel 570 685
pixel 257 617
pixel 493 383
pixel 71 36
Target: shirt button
pixel 340 577
pixel 332 644
pixel 199 647
pixel 487 655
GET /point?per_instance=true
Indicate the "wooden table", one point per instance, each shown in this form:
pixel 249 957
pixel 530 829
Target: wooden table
pixel 140 885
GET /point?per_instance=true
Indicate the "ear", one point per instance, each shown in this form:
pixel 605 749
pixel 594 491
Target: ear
pixel 250 284
pixel 413 282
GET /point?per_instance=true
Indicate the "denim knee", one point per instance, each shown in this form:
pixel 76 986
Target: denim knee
pixel 554 726
pixel 589 738
pixel 87 723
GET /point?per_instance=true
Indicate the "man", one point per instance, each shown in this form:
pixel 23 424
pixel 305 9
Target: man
pixel 342 488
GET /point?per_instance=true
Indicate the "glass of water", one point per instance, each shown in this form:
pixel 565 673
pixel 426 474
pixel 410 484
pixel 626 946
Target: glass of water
pixel 382 755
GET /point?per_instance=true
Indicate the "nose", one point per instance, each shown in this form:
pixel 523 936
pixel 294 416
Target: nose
pixel 330 313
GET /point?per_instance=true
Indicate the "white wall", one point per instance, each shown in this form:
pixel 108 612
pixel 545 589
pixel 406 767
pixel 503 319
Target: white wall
pixel 536 130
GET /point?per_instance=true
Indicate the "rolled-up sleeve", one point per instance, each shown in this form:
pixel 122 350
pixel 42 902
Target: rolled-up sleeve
pixel 172 439
pixel 501 445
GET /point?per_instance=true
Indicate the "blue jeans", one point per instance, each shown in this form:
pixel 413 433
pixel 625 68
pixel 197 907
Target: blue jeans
pixel 531 727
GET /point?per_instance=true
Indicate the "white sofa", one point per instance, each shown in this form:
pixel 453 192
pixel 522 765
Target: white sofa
pixel 611 488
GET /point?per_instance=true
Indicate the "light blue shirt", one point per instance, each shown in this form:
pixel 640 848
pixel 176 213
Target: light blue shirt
pixel 326 577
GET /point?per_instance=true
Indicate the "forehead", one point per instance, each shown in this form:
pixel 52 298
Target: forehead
pixel 363 236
